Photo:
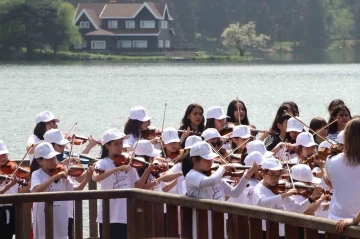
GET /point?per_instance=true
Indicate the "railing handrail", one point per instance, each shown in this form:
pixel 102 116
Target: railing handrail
pixel 173 199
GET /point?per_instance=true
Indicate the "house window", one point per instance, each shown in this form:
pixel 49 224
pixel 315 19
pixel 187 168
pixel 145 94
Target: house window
pixel 160 44
pixel 167 44
pixel 98 45
pixel 147 24
pixel 124 44
pixel 113 24
pixel 84 24
pixel 164 24
pixel 139 44
pixel 130 24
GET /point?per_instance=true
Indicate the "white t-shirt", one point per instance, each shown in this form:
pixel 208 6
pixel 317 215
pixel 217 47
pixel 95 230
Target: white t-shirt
pixel 345 202
pixel 128 143
pixel 284 154
pixel 33 139
pixel 193 189
pixel 177 189
pixel 61 216
pixel 13 190
pixel 118 180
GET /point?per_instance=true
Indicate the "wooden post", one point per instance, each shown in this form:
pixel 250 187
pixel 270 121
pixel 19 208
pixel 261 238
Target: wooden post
pixel 149 220
pixel 232 226
pixel 78 220
pixel 49 220
pixel 331 236
pixel 202 224
pixel 172 230
pixel 217 220
pixel 243 227
pixel 106 218
pixel 272 229
pixel 310 233
pixel 255 226
pixel 135 219
pixel 19 225
pixel 159 220
pixel 186 222
pixel 93 226
pixel 291 232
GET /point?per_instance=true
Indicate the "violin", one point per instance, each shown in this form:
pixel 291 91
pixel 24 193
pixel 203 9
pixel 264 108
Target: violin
pixel 75 170
pixel 175 154
pixel 191 132
pixel 322 154
pixel 57 169
pixel 150 133
pixel 21 172
pixel 79 140
pixel 303 189
pixel 21 182
pixel 256 131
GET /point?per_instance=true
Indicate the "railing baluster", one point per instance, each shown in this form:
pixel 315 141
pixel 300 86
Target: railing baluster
pixel 149 222
pixel 232 226
pixel 78 220
pixel 93 227
pixel 243 227
pixel 49 220
pixel 331 236
pixel 272 229
pixel 159 220
pixel 172 230
pixel 19 225
pixel 217 220
pixel 135 219
pixel 106 218
pixel 255 228
pixel 186 222
pixel 202 224
pixel 291 232
pixel 310 233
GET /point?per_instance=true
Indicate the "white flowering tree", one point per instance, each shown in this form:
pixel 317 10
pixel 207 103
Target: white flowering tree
pixel 240 37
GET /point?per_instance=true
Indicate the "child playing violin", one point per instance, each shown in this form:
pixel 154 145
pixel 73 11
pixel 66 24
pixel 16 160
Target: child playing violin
pixel 7 211
pixel 193 118
pixel 240 135
pixel 306 147
pixel 264 196
pixel 216 118
pixel 212 136
pixel 43 180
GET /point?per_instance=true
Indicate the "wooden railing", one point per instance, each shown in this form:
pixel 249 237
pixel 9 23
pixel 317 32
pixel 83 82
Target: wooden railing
pixel 145 213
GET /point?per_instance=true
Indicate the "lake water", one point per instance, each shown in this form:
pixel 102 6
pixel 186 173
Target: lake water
pixel 99 95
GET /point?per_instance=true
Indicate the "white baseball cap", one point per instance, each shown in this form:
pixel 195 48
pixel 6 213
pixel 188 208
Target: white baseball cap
pixel 294 125
pixel 3 148
pixel 258 146
pixel 170 135
pixel 203 150
pixel 112 134
pixel 254 157
pixel 55 136
pixel 191 140
pixel 340 137
pixel 305 139
pixel 216 112
pixel 45 116
pixel 145 147
pixel 210 133
pixel 303 173
pixel 241 131
pixel 139 113
pixel 45 150
pixel 325 144
pixel 272 164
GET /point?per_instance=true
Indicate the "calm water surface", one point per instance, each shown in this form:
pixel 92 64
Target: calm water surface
pixel 99 95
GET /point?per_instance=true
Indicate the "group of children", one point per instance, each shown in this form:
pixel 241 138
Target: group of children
pixel 199 159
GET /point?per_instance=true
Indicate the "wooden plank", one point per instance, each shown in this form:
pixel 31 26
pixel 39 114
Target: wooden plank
pixel 159 220
pixel 106 218
pixel 19 229
pixel 78 219
pixel 186 222
pixel 172 230
pixel 232 223
pixel 217 220
pixel 27 218
pixel 331 236
pixel 243 227
pixel 93 226
pixel 202 224
pixel 135 219
pixel 149 220
pixel 311 233
pixel 255 228
pixel 49 220
pixel 291 232
pixel 272 229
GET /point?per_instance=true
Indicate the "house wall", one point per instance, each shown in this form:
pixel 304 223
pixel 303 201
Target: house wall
pixel 85 30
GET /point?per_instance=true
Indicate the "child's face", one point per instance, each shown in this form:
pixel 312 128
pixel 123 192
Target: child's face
pixel 196 116
pixel 3 159
pixel 59 148
pixel 115 147
pixel 308 151
pixel 272 177
pixel 172 147
pixel 144 125
pixel 293 135
pixel 239 110
pixel 202 164
pixel 220 124
pixel 47 163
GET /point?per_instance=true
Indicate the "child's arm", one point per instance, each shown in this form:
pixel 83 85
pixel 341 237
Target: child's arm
pixel 97 177
pixel 141 183
pixel 277 199
pixel 88 174
pixel 213 178
pixel 340 225
pixel 43 186
pixel 314 206
pixel 168 187
pixel 8 186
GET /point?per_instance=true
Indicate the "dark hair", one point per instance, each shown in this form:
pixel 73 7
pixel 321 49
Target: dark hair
pixel 210 123
pixel 187 164
pixel 142 170
pixel 316 124
pixel 40 130
pixel 279 119
pixel 185 122
pixel 104 150
pixel 293 107
pixel 333 128
pixel 335 102
pixel 34 165
pixel 232 108
pixel 133 127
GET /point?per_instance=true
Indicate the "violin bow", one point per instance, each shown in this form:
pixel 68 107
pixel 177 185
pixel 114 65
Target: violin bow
pixel 67 135
pixel 238 109
pixel 217 152
pixel 286 162
pixel 22 160
pixel 247 140
pixel 319 130
pixel 162 129
pixel 314 132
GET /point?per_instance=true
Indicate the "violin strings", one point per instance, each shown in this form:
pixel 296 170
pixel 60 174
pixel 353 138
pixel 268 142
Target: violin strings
pixel 247 140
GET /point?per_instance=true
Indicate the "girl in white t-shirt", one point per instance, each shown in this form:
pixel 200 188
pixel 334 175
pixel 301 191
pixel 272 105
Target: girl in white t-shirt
pixel 43 181
pixel 44 121
pixel 138 120
pixel 306 147
pixel 7 211
pixel 111 177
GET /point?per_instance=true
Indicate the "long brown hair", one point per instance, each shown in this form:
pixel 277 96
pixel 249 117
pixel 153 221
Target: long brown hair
pixel 352 142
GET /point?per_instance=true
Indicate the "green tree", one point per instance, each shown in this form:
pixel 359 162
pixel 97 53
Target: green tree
pixel 241 37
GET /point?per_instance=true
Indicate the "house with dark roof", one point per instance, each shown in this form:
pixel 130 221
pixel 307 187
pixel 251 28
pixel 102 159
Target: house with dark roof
pixel 124 27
